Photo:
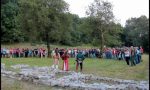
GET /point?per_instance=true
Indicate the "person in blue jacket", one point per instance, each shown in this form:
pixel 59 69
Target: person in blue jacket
pixel 79 59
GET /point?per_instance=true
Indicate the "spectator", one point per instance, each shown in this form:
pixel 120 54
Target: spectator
pixel 132 51
pixel 127 55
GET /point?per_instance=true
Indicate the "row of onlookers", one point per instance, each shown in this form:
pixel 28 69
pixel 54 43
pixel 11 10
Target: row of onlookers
pixel 21 52
pixel 42 52
pixel 108 53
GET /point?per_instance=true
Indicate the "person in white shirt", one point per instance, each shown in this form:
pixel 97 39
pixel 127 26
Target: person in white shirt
pixel 127 55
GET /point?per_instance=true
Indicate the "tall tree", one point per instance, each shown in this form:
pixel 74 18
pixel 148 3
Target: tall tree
pixel 9 25
pixel 136 32
pixel 101 13
pixel 43 17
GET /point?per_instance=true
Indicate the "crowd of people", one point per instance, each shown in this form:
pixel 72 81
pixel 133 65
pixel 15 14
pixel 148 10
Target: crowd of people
pixel 132 55
pixel 42 52
pixel 23 52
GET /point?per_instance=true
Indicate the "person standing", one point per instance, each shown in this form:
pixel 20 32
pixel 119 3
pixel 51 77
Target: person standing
pixel 79 59
pixel 138 55
pixel 132 56
pixel 56 57
pixel 127 55
pixel 141 50
pixel 65 58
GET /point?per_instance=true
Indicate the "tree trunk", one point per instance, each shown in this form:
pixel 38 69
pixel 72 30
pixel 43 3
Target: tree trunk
pixel 102 41
pixel 48 44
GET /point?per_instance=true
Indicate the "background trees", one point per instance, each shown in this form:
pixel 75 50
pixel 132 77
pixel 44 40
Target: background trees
pixel 136 32
pixel 9 26
pixel 102 17
pixel 48 21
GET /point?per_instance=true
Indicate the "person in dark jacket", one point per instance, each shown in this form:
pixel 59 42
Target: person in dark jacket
pixel 79 59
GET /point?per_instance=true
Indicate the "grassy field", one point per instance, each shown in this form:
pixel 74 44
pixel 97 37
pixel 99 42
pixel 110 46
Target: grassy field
pixel 97 67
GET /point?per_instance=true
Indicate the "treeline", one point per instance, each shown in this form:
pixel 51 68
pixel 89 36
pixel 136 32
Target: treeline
pixel 49 21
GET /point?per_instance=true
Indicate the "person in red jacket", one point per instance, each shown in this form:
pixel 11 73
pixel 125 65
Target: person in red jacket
pixel 65 58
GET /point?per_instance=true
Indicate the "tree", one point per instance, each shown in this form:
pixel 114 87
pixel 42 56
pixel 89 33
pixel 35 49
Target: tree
pixel 101 12
pixel 136 32
pixel 113 36
pixel 9 25
pixel 44 19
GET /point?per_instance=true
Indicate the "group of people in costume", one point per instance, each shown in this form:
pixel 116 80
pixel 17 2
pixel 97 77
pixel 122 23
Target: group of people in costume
pixel 65 57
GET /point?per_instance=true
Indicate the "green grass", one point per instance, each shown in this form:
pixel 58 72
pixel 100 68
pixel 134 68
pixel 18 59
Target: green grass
pixel 97 67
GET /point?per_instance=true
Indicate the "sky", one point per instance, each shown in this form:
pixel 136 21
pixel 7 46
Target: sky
pixel 122 9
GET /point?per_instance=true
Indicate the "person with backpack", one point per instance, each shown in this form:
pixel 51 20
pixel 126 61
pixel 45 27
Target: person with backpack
pixel 79 61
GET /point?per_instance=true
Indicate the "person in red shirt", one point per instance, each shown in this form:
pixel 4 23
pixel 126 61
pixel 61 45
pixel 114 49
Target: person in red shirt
pixel 65 58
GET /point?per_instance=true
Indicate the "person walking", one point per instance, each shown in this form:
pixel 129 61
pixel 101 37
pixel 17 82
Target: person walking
pixel 79 61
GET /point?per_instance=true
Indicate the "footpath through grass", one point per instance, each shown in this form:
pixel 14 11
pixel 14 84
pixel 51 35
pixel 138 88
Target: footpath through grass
pixel 98 67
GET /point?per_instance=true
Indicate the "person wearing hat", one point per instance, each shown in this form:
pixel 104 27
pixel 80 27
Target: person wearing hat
pixel 79 60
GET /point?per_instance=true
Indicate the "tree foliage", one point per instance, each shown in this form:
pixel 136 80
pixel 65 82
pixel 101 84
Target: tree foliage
pixel 49 21
pixel 136 32
pixel 9 26
pixel 102 15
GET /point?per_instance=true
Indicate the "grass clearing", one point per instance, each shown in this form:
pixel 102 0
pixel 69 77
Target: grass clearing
pixel 97 67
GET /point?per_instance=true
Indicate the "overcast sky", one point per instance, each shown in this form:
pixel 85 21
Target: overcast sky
pixel 122 9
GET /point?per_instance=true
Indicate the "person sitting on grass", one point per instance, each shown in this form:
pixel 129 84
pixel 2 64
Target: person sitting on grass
pixel 79 59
